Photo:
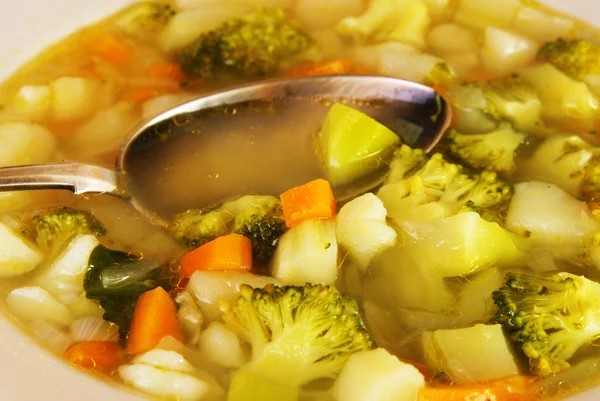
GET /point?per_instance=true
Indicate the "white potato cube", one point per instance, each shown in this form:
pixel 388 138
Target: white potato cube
pixel 377 375
pixel 412 25
pixel 452 38
pixel 73 97
pixel 32 101
pixel 482 13
pixel 25 143
pixel 17 255
pixel 222 345
pixel 503 51
pixel 325 13
pixel 540 26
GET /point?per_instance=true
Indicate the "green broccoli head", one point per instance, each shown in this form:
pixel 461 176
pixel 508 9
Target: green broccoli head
pixel 578 58
pixel 417 180
pixel 260 218
pixel 550 318
pixel 197 227
pixel 297 334
pixel 405 162
pixel 53 228
pixel 490 197
pixel 513 99
pixel 145 17
pixel 250 46
pixel 496 150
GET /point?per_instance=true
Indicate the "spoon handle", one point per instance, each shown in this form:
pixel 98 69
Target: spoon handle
pixel 78 178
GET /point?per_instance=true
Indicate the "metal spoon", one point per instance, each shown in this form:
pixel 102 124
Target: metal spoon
pixel 416 112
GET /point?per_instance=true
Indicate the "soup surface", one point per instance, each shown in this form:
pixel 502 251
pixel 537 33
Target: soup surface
pixel 471 273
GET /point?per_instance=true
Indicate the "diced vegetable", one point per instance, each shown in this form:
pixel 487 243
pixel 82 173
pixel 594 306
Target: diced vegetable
pixel 210 287
pixel 451 38
pixel 187 25
pixel 35 303
pixel 167 374
pixel 362 230
pixel 50 335
pixel 459 245
pixel 166 70
pixel 337 67
pixel 351 144
pixel 109 47
pixel 73 97
pixel 313 200
pixel 190 317
pixel 155 317
pixel 503 51
pixel 412 25
pixel 105 130
pixel 229 252
pixel 100 356
pixel 564 99
pixel 438 9
pixel 222 346
pixel 307 253
pixel 324 13
pixel 17 255
pixel 32 101
pixel 65 275
pixel 514 388
pixel 408 65
pixel 544 212
pixel 377 375
pixel 540 26
pixel 25 143
pixel 482 13
pixel 93 328
pixel 465 354
pixel 559 160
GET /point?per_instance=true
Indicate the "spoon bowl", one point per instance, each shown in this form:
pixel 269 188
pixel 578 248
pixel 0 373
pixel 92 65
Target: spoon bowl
pixel 194 154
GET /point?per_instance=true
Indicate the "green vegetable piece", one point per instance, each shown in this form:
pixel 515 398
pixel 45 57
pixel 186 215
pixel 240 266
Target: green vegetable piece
pixel 53 228
pixel 297 334
pixel 549 318
pixel 578 58
pixel 251 46
pixel 351 144
pixel 145 18
pixel 115 279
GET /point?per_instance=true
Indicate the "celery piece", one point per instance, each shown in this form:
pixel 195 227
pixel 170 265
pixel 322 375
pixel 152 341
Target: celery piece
pixel 351 144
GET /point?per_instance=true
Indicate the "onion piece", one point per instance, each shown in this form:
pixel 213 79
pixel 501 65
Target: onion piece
pixel 50 336
pixel 92 328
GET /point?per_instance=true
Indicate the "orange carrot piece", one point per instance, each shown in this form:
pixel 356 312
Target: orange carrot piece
pixel 514 388
pixel 143 94
pixel 110 48
pixel 164 69
pixel 100 356
pixel 229 252
pixel 337 67
pixel 313 200
pixel 155 317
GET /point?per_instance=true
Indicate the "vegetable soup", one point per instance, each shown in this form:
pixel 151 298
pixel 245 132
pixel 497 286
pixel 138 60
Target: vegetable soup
pixel 471 273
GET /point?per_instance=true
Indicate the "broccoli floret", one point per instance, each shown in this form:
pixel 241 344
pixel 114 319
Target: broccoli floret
pixel 442 188
pixel 145 17
pixel 260 218
pixel 550 318
pixel 481 106
pixel 405 162
pixel 590 185
pixel 496 150
pixel 196 227
pixel 251 46
pixel 297 334
pixel 53 228
pixel 516 101
pixel 441 75
pixel 578 58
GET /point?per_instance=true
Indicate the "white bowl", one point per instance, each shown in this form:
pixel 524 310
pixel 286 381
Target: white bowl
pixel 27 371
